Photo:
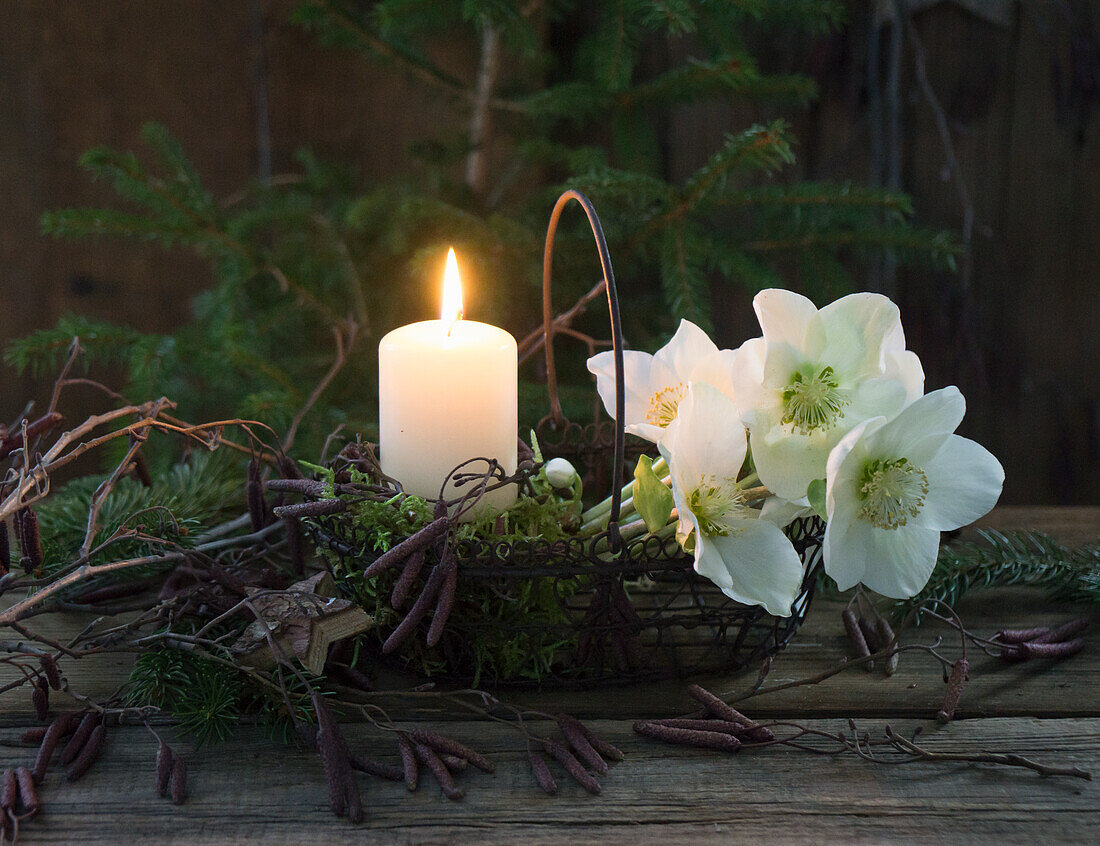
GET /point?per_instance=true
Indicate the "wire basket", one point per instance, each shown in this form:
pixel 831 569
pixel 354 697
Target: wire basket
pixel 592 610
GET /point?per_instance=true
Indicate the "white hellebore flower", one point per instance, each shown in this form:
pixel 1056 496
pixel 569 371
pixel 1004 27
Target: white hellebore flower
pixel 750 559
pixel 656 384
pixel 816 374
pixel 892 487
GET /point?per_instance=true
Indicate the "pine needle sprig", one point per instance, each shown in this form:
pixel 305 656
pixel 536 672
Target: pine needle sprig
pixel 180 503
pixel 203 696
pixel 1017 558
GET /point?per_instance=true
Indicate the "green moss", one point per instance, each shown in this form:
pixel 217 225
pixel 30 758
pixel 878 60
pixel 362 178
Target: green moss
pixel 509 628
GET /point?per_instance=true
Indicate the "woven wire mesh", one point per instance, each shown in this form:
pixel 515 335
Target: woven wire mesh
pixel 641 615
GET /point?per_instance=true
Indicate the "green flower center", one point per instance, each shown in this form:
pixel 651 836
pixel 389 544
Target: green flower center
pixel 892 491
pixel 713 502
pixel 664 403
pixel 813 400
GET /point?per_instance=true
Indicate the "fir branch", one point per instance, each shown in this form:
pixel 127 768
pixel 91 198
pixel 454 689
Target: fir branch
pixel 180 503
pixel 344 26
pixel 939 247
pixel 46 350
pixel 683 281
pixel 676 17
pixel 717 77
pixel 1019 558
pixel 831 195
pixel 203 696
pixel 760 148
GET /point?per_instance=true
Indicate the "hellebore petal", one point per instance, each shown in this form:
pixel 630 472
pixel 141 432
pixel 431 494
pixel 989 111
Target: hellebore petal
pixel 891 486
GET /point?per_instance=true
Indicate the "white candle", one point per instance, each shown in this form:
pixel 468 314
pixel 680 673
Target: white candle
pixel 447 392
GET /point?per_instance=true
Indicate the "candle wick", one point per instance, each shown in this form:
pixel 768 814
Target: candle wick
pixel 458 317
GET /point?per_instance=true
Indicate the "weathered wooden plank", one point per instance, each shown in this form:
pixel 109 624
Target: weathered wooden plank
pixel 1065 688
pixel 252 790
pixel 1072 526
pixel 1040 688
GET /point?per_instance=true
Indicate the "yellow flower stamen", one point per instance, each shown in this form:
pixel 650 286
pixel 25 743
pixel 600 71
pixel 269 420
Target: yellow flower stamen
pixel 664 403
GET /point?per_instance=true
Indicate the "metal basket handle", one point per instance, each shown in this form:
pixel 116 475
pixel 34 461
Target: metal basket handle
pixel 556 415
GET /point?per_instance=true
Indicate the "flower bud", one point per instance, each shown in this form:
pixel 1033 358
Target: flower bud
pixel 560 473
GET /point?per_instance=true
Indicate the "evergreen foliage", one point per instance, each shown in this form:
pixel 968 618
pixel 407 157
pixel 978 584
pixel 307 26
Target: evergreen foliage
pixel 182 501
pixel 1020 558
pixel 588 88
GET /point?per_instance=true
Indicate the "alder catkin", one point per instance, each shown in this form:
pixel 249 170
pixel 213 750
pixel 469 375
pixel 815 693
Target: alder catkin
pixel 399 552
pixel 408 762
pixel 1052 650
pixel 376 768
pixel 454 763
pixel 855 637
pixel 720 709
pixel 1021 635
pixel 886 637
pixel 413 565
pixel 28 793
pixel 328 747
pixel 49 669
pixel 959 671
pixel 451 747
pixel 88 754
pixel 688 737
pixel 294 544
pixel 165 760
pixel 311 509
pixel 60 727
pixel 573 767
pixel 177 782
pixel 419 609
pixel 438 769
pixel 33 735
pixel 40 698
pixel 79 738
pixel 1063 632
pixel 719 726
pixel 542 773
pixel 608 750
pixel 9 790
pixel 869 634
pixel 254 495
pixel 445 602
pixel 32 542
pixel 581 747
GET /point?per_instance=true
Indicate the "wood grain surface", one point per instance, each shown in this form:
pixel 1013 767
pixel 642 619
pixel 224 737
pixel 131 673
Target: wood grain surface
pixel 253 789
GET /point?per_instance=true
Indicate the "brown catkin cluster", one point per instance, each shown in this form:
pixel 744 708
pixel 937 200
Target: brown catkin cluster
pixel 580 752
pixel 427 756
pixel 719 708
pixel 1043 641
pixel 88 754
pixel 856 636
pixel 722 727
pixel 423 749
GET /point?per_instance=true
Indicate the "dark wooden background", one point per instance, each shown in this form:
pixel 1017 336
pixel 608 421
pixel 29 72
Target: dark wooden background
pixel 1018 83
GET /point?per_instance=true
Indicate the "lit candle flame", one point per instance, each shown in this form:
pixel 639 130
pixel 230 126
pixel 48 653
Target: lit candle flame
pixel 452 292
